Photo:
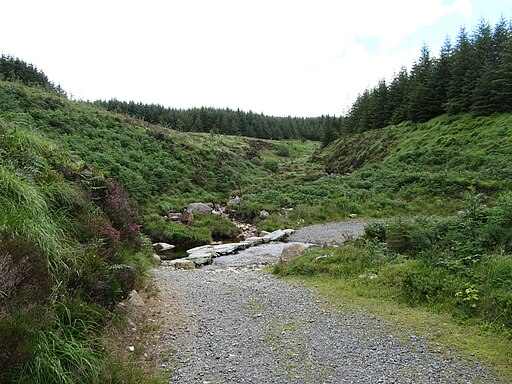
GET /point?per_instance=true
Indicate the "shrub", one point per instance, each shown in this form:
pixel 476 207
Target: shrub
pixel 283 151
pixel 376 231
pixel 18 341
pixel 398 236
pixel 123 216
pixel 270 165
pixel 24 278
pixel 419 283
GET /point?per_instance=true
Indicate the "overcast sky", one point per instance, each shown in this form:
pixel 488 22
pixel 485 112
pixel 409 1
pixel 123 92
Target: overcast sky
pixel 279 57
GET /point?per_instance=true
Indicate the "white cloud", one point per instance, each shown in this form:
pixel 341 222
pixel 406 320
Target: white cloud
pixel 279 57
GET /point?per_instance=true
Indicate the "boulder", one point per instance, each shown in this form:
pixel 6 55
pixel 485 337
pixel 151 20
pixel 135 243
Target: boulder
pixel 187 218
pixel 226 249
pixel 353 215
pixel 162 247
pixel 200 258
pixel 135 299
pixel 157 258
pixel 280 234
pixel 182 264
pixel 202 249
pixel 200 207
pixel 244 244
pixel 255 240
pixel 264 214
pixel 290 252
pixel 235 201
pixel 174 216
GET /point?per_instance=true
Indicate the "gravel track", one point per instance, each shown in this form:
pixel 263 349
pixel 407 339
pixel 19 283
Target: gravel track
pixel 240 325
pixel 336 232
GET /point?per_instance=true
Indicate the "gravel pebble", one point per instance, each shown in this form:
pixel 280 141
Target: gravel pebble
pixel 241 325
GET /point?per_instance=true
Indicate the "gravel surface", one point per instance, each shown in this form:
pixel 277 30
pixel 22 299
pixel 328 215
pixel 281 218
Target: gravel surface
pixel 336 232
pixel 240 325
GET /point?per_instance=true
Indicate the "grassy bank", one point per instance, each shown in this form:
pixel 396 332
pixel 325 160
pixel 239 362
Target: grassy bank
pixel 70 250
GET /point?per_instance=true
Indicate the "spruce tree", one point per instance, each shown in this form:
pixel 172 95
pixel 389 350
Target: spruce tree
pixel 422 98
pixel 459 87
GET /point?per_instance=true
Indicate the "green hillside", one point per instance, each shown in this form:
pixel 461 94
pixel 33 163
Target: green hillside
pixel 441 157
pixel 406 169
pixel 84 191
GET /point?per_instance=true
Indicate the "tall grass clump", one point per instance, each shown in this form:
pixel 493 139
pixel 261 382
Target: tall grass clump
pixel 70 249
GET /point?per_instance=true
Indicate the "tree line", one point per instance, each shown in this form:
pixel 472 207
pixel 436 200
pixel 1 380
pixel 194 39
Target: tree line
pixel 474 75
pixel 15 69
pixel 214 120
pixel 228 121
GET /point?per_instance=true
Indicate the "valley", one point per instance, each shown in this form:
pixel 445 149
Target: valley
pixel 406 201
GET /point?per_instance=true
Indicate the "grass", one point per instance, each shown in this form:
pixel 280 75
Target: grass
pixel 408 169
pixel 69 250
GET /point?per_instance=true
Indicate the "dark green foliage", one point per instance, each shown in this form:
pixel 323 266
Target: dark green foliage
pixel 448 264
pixel 459 261
pixel 14 69
pixel 473 76
pixel 24 278
pixel 18 341
pixel 225 121
pixel 423 101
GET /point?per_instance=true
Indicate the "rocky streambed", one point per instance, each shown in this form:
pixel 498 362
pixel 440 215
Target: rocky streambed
pixel 240 325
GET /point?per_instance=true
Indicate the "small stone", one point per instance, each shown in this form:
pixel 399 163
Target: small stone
pixel 264 214
pixel 131 348
pixel 135 299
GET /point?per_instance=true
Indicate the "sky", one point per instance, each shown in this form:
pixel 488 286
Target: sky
pixel 277 57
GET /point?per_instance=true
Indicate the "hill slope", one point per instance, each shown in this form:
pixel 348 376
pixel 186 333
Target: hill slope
pixel 442 157
pixel 404 169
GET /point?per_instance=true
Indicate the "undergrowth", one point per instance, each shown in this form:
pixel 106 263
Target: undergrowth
pixel 70 249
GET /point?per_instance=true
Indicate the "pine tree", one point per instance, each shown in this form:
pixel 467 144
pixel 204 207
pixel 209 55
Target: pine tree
pixel 422 100
pixel 442 76
pixel 501 84
pixel 398 97
pixel 459 87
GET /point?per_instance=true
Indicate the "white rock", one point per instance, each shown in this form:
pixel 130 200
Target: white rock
pixel 200 258
pixel 200 207
pixel 264 214
pixel 201 249
pixel 255 240
pixel 278 235
pixel 182 264
pixel 135 299
pixel 162 247
pixel 225 249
